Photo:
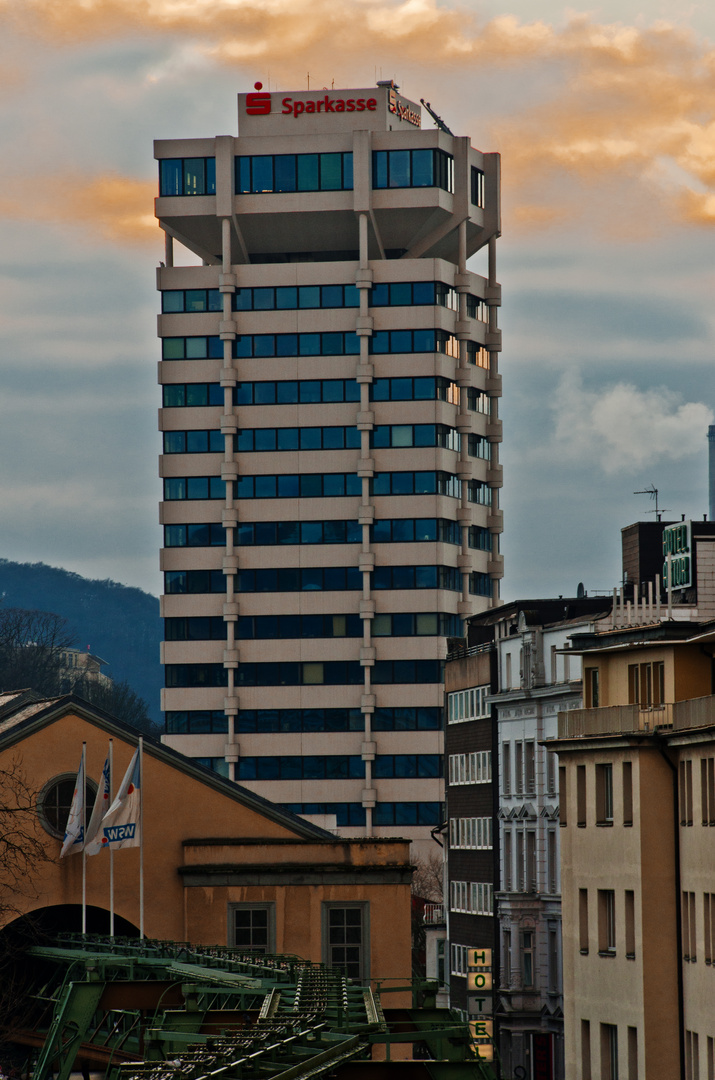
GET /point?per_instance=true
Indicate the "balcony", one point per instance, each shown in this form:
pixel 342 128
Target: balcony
pixel 628 719
pixel 433 915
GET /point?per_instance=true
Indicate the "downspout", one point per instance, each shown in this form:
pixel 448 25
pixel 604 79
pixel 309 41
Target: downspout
pixel 678 905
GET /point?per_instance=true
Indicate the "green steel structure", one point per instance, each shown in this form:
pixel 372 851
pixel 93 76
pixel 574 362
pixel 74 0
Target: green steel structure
pixel 154 1010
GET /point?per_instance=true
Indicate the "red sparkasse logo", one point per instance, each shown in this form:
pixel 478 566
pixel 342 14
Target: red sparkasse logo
pixel 258 104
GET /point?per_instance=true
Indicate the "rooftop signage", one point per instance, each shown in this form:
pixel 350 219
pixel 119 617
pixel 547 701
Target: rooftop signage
pixel 677 554
pixel 378 108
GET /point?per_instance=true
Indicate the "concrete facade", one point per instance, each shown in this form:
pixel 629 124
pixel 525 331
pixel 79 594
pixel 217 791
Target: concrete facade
pixel 309 595
pixel 637 805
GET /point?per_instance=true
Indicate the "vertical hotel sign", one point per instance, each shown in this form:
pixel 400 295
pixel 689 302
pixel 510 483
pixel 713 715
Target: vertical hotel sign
pixel 479 987
pixel 677 555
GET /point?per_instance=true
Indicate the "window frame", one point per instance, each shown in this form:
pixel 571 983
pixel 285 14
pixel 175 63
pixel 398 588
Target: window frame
pixel 270 907
pixel 363 906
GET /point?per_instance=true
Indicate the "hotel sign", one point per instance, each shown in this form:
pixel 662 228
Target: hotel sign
pixel 479 979
pixel 677 553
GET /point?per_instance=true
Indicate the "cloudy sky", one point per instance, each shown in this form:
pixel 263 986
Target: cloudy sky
pixel 605 120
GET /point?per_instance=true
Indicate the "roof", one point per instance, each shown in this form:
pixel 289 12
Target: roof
pixel 31 716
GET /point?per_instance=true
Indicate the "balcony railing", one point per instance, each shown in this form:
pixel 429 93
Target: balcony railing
pixel 433 914
pixel 622 719
pixel 614 720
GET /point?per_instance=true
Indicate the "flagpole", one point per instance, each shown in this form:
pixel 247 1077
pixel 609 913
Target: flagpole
pixel 141 837
pixel 111 849
pixel 84 837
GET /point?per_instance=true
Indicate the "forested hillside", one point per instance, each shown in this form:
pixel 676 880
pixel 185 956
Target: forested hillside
pixel 118 623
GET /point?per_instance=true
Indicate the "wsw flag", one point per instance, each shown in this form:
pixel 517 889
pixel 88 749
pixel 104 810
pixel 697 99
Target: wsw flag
pixel 121 826
pixel 93 843
pixel 74 831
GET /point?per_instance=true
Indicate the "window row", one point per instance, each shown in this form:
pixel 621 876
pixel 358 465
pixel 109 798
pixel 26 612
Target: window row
pixel 404 718
pixel 480 584
pixel 519 778
pixel 300 579
pixel 194 442
pixel 417 577
pixel 689 918
pixel 460 959
pixel 609 1052
pixel 294 486
pixel 469 704
pixel 472 897
pixel 262 440
pixel 520 868
pixel 271 721
pixel 178 488
pixel 262 173
pixel 307 673
pixel 310 297
pixel 407 766
pixel 208 534
pixel 603 780
pixel 472 768
pixel 296 392
pixel 407 813
pixel 610 916
pixel 396 624
pixel 303 767
pixel 321 391
pixel 415 388
pixel 707 790
pixel 187 176
pixel 399 435
pixel 412 168
pixel 327 343
pixel 471 833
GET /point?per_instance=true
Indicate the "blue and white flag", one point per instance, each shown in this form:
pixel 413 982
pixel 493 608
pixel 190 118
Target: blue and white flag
pixel 121 825
pixel 74 831
pixel 93 843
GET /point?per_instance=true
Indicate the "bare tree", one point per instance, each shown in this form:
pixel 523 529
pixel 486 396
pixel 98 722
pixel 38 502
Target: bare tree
pixel 428 877
pixel 31 646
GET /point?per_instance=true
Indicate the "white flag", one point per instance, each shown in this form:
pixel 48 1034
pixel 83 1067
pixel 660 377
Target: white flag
pixel 74 830
pixel 93 843
pixel 121 825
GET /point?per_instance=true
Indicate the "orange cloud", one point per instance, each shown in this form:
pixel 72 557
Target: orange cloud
pixel 118 207
pixel 615 101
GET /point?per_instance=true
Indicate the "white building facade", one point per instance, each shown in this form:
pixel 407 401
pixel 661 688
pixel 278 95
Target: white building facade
pixel 330 389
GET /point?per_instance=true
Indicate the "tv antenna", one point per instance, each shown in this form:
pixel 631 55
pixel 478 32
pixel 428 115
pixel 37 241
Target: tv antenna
pixel 437 119
pixel 653 492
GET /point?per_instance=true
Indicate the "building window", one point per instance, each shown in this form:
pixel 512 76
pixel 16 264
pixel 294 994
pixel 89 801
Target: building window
pixel 550 772
pixel 470 833
pixel 552 861
pixel 412 168
pixel 508 857
pixel 591 687
pixel 506 768
pixel 581 796
pixel 294 392
pixel 187 176
pixel 627 793
pixel 345 940
pixel 586 1050
pixel 466 705
pixel 519 767
pixel 55 800
pixel 632 1053
pixel 527 958
pixel 520 878
pixel 606 922
pixel 460 960
pixel 685 773
pixel 530 768
pixel 609 1052
pixel 554 964
pixel 531 879
pixel 604 794
pixel 646 684
pixel 709 926
pixel 471 897
pixel 563 796
pixel 266 173
pixel 630 925
pixel 692 1056
pixel 689 927
pixel 506 957
pixel 583 921
pixel 477 187
pixel 251 927
pixel 707 790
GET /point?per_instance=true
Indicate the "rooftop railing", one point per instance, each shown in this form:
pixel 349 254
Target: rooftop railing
pixel 625 719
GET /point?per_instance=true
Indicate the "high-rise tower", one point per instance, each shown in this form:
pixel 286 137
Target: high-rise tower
pixel 331 476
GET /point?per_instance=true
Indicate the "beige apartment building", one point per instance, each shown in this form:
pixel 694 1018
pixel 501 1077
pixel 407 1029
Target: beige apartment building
pixel 637 804
pixel 330 466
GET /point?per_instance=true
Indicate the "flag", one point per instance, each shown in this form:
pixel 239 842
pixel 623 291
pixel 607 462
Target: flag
pixel 93 842
pixel 121 826
pixel 74 830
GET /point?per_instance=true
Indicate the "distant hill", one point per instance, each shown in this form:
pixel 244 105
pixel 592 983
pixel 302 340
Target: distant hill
pixel 118 623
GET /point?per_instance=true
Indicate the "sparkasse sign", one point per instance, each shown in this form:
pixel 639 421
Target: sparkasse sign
pixel 378 108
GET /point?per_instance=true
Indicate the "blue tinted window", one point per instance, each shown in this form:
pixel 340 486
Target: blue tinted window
pixel 308 174
pixel 262 173
pixel 285 172
pixel 171 177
